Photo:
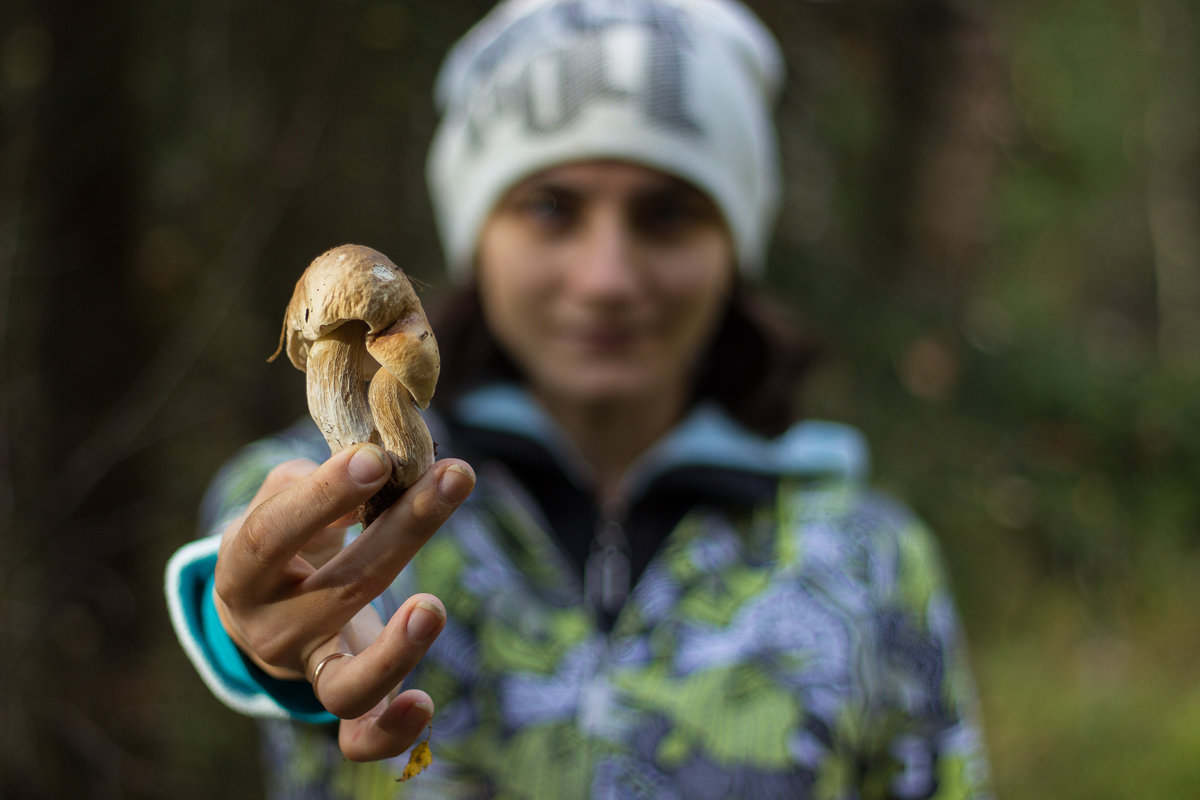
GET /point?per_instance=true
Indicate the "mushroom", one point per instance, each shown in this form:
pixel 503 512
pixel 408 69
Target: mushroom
pixel 354 317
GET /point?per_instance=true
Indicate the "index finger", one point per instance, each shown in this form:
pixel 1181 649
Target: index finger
pixel 279 478
pixel 280 524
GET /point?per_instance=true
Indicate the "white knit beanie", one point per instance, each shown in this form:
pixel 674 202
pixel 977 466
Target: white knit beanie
pixel 684 86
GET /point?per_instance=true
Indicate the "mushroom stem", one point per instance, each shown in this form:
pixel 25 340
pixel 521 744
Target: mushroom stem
pixel 405 437
pixel 336 399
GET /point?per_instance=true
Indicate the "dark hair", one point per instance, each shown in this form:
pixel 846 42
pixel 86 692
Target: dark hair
pixel 756 365
pixel 754 368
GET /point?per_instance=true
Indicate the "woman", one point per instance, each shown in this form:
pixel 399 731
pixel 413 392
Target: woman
pixel 659 586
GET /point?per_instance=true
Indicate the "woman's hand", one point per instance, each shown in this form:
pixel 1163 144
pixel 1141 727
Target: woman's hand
pixel 290 595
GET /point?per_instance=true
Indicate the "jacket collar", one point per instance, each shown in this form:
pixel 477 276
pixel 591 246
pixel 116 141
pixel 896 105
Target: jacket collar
pixel 706 438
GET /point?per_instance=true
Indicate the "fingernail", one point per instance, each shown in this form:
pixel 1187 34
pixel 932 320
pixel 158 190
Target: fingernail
pixel 423 621
pixel 367 465
pixel 456 483
pixel 418 714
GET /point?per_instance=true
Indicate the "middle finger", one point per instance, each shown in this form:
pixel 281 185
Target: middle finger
pixel 362 570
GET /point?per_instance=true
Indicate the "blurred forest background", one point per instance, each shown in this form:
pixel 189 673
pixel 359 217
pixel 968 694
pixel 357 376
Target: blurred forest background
pixel 992 218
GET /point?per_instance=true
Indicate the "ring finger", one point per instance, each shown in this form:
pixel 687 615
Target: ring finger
pixel 351 687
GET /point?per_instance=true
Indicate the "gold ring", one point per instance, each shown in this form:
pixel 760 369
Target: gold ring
pixel 321 665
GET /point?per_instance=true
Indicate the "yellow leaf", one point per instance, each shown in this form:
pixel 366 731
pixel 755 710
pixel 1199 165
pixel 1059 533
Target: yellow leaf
pixel 420 758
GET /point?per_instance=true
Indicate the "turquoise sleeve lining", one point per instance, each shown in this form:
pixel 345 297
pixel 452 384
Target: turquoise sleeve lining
pixel 239 675
pixel 242 675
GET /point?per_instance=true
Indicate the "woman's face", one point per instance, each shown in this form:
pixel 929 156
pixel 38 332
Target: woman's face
pixel 604 281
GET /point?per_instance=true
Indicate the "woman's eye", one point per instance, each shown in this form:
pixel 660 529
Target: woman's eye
pixel 541 204
pixel 670 216
pixel 547 208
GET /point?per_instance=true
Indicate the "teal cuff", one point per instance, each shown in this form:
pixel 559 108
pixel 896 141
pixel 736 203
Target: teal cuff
pixel 239 672
pixel 231 676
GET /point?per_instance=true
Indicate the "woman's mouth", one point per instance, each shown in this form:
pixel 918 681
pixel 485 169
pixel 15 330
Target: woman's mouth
pixel 603 338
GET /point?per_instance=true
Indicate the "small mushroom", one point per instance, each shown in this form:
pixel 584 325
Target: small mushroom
pixel 354 318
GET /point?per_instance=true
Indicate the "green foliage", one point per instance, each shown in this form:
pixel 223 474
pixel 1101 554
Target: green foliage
pixel 1058 455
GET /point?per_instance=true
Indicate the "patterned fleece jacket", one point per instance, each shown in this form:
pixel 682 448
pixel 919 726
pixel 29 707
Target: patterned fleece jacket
pixel 751 621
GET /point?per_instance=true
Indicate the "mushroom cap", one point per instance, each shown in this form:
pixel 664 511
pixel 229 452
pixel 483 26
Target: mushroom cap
pixel 344 284
pixel 409 351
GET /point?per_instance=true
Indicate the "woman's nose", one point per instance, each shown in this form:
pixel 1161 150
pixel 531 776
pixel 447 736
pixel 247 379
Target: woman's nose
pixel 605 264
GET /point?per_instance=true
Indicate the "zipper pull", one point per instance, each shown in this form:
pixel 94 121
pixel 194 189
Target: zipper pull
pixel 609 568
